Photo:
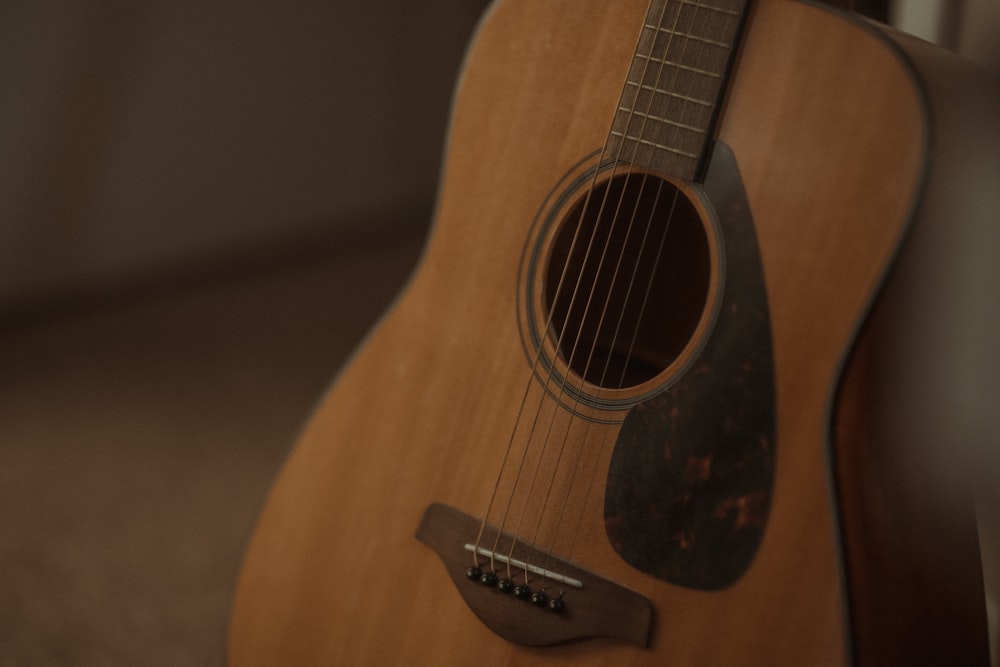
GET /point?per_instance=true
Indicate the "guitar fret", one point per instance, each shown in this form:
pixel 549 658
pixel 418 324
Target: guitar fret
pixel 665 121
pixel 647 142
pixel 660 91
pixel 686 68
pixel 685 35
pixel 702 5
pixel 677 83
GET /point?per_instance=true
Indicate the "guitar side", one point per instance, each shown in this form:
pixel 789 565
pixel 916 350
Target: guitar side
pixel 334 574
pixel 918 391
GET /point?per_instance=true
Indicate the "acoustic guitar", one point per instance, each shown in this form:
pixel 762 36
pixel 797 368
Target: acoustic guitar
pixel 657 393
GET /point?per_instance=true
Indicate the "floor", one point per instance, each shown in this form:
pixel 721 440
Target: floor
pixel 137 443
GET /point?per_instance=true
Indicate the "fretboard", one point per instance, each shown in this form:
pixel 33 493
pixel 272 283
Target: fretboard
pixel 674 85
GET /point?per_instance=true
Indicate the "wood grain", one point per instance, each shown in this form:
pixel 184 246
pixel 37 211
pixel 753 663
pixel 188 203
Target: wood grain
pixel 828 129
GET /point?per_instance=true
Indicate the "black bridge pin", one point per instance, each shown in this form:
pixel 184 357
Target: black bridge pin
pixel 505 585
pixel 522 592
pixel 474 573
pixel 489 579
pixel 539 598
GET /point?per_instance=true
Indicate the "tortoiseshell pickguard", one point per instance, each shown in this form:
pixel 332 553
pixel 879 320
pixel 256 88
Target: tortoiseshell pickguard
pixel 689 485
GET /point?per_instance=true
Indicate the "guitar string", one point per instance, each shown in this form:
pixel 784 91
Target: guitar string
pixel 615 272
pixel 583 439
pixel 596 467
pixel 676 129
pixel 541 405
pixel 610 294
pixel 608 298
pixel 517 421
pixel 530 382
pixel 628 356
pixel 645 300
pixel 664 60
pixel 608 432
pixel 558 346
pixel 576 342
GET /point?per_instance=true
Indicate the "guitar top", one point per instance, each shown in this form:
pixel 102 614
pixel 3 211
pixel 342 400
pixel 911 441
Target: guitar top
pixel 635 407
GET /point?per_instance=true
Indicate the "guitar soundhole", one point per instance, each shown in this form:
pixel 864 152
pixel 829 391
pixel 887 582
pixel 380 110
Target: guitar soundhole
pixel 640 270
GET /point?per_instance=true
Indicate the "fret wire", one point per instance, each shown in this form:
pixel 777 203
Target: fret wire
pixel 686 98
pixel 702 5
pixel 688 68
pixel 647 142
pixel 685 35
pixel 664 116
pixel 660 119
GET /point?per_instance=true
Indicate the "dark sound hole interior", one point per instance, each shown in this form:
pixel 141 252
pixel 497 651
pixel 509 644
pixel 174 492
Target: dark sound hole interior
pixel 639 290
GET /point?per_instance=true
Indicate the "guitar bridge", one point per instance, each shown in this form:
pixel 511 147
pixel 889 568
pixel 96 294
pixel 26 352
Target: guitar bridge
pixel 586 605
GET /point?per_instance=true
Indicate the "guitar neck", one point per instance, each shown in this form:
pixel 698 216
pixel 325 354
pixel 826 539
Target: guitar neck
pixel 675 85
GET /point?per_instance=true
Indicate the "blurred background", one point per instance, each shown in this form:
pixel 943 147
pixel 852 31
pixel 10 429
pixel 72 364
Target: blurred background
pixel 149 140
pixel 203 206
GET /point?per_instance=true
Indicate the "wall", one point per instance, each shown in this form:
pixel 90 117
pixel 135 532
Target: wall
pixel 163 136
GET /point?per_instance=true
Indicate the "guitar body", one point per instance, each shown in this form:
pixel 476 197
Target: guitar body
pixel 829 123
